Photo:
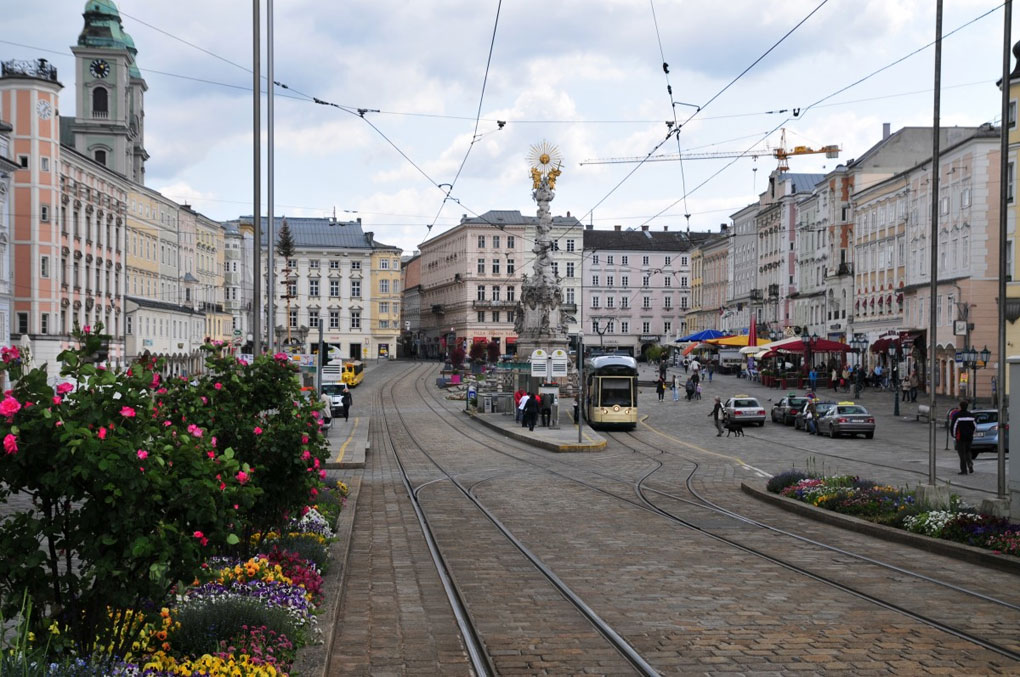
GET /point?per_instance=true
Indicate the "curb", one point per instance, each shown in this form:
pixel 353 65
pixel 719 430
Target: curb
pixel 314 659
pixel 960 551
pixel 560 448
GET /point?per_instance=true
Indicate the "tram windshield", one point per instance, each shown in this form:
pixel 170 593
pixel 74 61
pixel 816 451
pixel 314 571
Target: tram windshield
pixel 616 391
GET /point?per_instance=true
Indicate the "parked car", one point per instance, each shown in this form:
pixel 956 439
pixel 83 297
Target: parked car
pixel 744 409
pixel 986 432
pixel 847 418
pixel 799 422
pixel 785 410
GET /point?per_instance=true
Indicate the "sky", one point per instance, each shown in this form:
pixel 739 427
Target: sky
pixel 584 75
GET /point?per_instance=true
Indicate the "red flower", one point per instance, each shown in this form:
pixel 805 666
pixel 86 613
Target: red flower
pixel 127 412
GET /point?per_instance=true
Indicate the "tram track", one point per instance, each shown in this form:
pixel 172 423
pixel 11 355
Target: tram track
pixel 482 661
pixel 640 487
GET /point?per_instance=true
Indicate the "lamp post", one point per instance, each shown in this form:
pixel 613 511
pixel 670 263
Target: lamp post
pixel 894 375
pixel 971 357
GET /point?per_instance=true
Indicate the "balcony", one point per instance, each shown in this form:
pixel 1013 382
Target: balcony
pixel 571 307
pixel 845 268
pixel 437 309
pixel 494 305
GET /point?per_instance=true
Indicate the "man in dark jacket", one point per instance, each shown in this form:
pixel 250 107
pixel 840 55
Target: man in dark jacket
pixel 716 411
pixel 963 432
pixel 531 411
pixel 345 402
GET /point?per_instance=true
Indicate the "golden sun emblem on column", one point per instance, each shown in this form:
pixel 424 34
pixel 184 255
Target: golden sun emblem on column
pixel 545 161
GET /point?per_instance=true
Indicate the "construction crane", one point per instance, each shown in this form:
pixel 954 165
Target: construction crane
pixel 781 154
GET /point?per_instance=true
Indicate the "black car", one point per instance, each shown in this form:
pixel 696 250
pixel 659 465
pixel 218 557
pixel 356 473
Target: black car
pixel 785 410
pixel 799 421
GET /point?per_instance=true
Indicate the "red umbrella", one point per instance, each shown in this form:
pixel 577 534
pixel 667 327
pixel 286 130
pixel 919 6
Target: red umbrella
pixel 752 333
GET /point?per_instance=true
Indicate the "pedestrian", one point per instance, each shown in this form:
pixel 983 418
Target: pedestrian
pixel 716 410
pixel 963 432
pixel 844 379
pixel 711 370
pixel 345 402
pixel 687 364
pixel 327 408
pixel 697 391
pixel 689 389
pixel 835 379
pixel 522 408
pixel 811 417
pixel 660 388
pixel 915 382
pixel 676 389
pixel 662 369
pixel 545 405
pixel 813 379
pixel 531 411
pixel 518 394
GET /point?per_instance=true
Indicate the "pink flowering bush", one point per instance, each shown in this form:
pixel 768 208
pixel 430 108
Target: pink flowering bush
pixel 121 506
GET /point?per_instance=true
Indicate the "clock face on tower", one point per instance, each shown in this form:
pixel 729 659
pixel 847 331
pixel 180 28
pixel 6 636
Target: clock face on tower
pixel 44 109
pixel 99 68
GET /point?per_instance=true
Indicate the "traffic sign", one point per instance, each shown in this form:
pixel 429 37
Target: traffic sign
pixel 237 333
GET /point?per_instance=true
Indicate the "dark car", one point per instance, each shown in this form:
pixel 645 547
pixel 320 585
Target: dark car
pixel 986 432
pixel 847 418
pixel 799 422
pixel 785 410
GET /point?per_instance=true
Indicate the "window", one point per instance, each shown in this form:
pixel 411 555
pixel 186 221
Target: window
pixel 595 326
pixel 570 295
pixel 625 327
pixel 355 265
pixel 646 302
pixel 595 280
pixel 100 102
pixel 44 266
pixel 1009 260
pixel 384 286
pixel 624 302
pixel 646 327
pixel 625 260
pixel 481 266
pixel 644 260
pixel 44 164
pixel 570 270
pixel 510 268
pixel 610 301
pixel 683 302
pixel 44 323
pixel 313 321
pixel 481 316
pixel 334 287
pixel 555 245
pixel 1012 114
pixel 610 260
pixel 624 281
pixel 965 198
pixel 667 302
pixel 645 280
pixel 355 319
pixel 495 241
pixel 384 307
pixel 292 264
pixel 944 205
pixel 683 260
pixel 495 266
pixel 595 302
pixel 292 289
pixel 495 316
pixel 509 241
pixel 335 265
pixel 481 242
pixel 293 319
pixel 570 245
pixel 510 293
pixel 313 264
pixel 669 260
pixel 334 319
pixel 384 264
pixel 22 323
pixel 1010 178
pixel 683 281
pixel 480 294
pixel 495 292
pixel 667 327
pixel 595 259
pixel 313 287
pixel 356 289
pixel 609 280
pixel 667 281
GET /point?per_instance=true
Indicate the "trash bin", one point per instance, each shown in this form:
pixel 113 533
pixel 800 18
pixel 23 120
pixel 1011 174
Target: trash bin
pixel 487 404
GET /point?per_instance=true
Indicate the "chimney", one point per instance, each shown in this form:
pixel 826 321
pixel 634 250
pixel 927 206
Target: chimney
pixel 590 226
pixel 723 227
pixel 369 235
pixel 885 130
pixel 359 220
pixel 568 213
pixel 617 228
pixel 665 229
pixel 644 227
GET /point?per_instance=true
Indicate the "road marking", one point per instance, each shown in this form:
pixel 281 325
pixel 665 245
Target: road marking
pixel 759 471
pixel 343 447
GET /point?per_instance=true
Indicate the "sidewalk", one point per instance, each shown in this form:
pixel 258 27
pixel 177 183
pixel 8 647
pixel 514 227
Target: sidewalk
pixel 562 439
pixel 348 443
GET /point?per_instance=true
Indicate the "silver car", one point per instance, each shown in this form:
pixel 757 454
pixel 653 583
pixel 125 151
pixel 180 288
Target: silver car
pixel 743 409
pixel 847 418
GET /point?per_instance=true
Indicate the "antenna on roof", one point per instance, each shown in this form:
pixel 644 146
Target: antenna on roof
pixel 332 219
pixel 688 217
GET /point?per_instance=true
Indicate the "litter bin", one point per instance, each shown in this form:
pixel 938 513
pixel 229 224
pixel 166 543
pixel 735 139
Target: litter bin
pixel 487 404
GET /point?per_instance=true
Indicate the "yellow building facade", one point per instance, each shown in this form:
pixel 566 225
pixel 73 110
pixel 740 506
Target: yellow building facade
pixel 385 298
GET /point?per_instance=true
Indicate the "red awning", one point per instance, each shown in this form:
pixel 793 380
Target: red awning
pixel 479 339
pixel 882 344
pixel 817 346
pixel 511 339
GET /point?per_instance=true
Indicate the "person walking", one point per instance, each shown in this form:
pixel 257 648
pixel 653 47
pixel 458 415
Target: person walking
pixel 915 382
pixel 522 409
pixel 716 411
pixel 963 432
pixel 530 411
pixel 660 388
pixel 676 389
pixel 687 364
pixel 518 394
pixel 813 379
pixel 835 379
pixel 697 391
pixel 345 402
pixel 545 405
pixel 711 370
pixel 689 388
pixel 811 418
pixel 327 408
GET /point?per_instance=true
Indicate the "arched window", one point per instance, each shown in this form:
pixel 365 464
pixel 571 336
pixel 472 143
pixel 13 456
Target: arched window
pixel 101 157
pixel 100 103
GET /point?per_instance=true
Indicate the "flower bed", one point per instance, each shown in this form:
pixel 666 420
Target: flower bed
pixel 899 508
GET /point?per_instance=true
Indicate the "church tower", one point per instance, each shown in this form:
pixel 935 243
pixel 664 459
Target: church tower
pixel 109 126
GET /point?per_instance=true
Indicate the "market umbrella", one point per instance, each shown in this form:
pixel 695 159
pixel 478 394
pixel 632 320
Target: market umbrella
pixel 702 335
pixel 753 350
pixel 796 345
pixel 740 340
pixel 695 346
pixel 752 333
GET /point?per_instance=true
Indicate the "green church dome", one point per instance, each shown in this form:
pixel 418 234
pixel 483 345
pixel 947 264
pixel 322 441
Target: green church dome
pixel 103 28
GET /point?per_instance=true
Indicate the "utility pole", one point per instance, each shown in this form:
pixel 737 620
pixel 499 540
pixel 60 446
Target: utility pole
pixel 1000 379
pixel 256 322
pixel 271 222
pixel 934 271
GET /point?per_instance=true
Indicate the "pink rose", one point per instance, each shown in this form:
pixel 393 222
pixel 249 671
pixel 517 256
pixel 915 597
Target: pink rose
pixel 198 534
pixel 305 455
pixel 322 474
pixel 214 440
pixel 211 454
pixel 57 399
pixel 242 476
pixel 10 406
pixel 11 444
pixel 102 433
pixel 64 388
pixel 205 400
pixel 197 432
pixel 258 430
pixel 86 329
pixel 304 439
pixel 143 454
pixel 218 386
pixel 127 412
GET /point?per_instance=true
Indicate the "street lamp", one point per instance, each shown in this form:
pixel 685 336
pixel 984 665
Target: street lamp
pixel 859 343
pixel 894 374
pixel 970 361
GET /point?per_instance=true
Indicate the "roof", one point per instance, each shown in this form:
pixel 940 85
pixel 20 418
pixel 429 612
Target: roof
pixel 162 305
pixel 317 233
pixel 514 217
pixel 103 28
pixel 802 183
pixel 643 240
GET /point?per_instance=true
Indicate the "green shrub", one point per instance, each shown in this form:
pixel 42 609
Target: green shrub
pixel 307 547
pixel 779 482
pixel 204 626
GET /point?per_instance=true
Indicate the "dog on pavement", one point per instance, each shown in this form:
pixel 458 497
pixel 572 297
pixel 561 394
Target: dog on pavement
pixel 734 427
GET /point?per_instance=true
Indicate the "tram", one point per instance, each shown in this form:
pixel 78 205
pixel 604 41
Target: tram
pixel 611 391
pixel 353 373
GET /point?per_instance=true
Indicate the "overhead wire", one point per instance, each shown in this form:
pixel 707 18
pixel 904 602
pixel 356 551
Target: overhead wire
pixel 478 115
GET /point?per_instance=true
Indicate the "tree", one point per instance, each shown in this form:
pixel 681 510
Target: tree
pixel 285 242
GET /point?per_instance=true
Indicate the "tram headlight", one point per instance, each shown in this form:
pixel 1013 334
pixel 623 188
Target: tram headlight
pixel 616 408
